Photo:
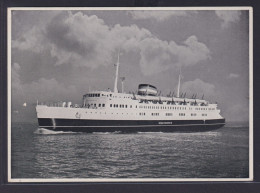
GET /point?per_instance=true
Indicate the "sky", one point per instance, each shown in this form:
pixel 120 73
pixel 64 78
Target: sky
pixel 59 55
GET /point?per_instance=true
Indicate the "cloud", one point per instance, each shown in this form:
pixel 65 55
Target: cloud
pixel 198 87
pixel 42 89
pixel 158 56
pixel 228 17
pixel 31 40
pixel 157 15
pixel 239 112
pixel 16 77
pixel 82 40
pixel 232 75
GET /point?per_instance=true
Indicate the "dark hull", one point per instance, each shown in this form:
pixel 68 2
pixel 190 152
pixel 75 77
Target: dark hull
pixel 130 126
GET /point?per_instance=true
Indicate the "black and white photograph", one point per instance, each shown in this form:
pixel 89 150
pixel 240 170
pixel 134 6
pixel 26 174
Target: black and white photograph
pixel 130 94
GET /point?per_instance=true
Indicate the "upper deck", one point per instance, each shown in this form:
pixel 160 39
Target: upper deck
pixel 108 97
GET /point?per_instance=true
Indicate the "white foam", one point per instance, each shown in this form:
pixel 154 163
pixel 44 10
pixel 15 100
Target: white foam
pixel 43 131
pixel 149 132
pixel 103 133
pixel 106 133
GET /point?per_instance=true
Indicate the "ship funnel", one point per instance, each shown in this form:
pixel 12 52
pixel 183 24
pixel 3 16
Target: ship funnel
pixel 116 77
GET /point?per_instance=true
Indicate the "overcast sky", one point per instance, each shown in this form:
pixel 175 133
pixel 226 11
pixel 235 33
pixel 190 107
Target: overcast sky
pixel 61 55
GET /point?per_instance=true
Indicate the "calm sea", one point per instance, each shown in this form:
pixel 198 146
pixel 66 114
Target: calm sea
pixel 39 153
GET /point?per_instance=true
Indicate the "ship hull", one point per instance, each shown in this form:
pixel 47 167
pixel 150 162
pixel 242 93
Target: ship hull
pixel 130 126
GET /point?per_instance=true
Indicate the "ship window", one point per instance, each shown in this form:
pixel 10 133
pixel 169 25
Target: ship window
pixel 110 95
pixel 114 105
pixel 130 106
pixel 111 105
pixel 98 95
pixel 136 106
pixel 99 105
pixel 125 106
pixel 95 105
pixel 103 105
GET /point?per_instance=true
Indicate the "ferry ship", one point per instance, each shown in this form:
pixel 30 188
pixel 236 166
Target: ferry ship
pixel 144 111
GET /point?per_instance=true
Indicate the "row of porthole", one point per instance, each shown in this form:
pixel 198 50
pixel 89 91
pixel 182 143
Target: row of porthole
pixel 162 107
pixel 156 114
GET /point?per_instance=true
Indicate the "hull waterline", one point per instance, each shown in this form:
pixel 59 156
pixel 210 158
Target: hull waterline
pixel 130 126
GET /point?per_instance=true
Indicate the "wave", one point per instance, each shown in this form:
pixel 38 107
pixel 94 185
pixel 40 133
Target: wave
pixel 43 131
pixel 149 132
pixel 106 133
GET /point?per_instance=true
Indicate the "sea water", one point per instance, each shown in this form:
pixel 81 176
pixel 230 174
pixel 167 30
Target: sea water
pixel 40 153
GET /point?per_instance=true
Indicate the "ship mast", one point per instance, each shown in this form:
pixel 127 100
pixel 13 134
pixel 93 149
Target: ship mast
pixel 117 68
pixel 122 82
pixel 179 85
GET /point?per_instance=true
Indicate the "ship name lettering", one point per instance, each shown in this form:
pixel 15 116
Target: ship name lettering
pixel 164 123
